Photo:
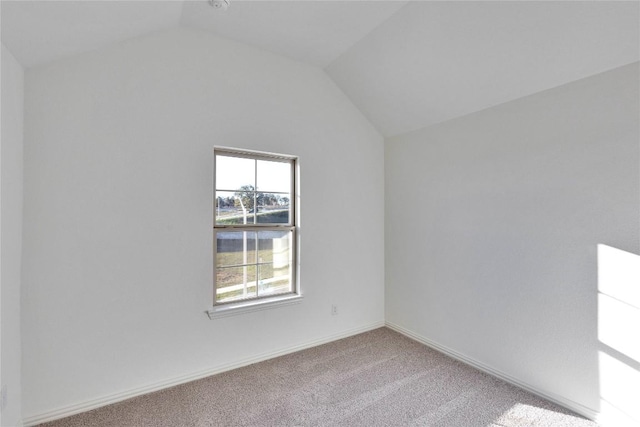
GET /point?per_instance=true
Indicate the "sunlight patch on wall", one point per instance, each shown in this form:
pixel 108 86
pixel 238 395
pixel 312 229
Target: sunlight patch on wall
pixel 619 389
pixel 619 274
pixel 619 326
pixel 618 333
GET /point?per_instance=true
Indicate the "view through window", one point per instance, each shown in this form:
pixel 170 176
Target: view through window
pixel 254 226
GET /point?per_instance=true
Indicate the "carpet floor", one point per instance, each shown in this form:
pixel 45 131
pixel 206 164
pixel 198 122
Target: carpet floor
pixel 378 378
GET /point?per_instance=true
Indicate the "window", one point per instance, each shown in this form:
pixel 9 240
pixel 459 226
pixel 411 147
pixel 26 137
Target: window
pixel 254 226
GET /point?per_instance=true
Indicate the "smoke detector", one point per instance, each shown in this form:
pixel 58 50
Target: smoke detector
pixel 219 4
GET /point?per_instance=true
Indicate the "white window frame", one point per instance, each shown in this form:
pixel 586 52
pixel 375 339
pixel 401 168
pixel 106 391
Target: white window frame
pixel 222 309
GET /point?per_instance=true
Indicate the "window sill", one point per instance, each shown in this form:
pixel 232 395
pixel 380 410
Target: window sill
pixel 249 306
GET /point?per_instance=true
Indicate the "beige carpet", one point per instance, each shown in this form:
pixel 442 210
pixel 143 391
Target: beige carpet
pixel 379 378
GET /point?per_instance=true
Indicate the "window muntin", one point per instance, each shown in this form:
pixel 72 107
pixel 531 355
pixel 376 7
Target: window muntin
pixel 254 226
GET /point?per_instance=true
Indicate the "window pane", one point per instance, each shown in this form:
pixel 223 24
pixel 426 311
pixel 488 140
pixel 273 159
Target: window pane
pixel 273 208
pixel 234 172
pixel 235 248
pixel 275 258
pixel 228 209
pixel 274 176
pixel 274 280
pixel 273 246
pixel 235 283
pixel 246 198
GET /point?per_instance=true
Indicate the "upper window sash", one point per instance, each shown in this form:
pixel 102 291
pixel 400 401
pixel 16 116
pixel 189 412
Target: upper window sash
pixel 240 203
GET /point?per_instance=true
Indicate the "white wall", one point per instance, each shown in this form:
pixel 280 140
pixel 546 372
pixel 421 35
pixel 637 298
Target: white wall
pixel 11 231
pixel 118 212
pixel 492 222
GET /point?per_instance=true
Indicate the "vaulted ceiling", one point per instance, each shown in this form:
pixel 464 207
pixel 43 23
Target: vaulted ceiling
pixel 405 64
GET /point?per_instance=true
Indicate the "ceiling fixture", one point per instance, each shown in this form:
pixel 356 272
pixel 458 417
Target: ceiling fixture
pixel 219 4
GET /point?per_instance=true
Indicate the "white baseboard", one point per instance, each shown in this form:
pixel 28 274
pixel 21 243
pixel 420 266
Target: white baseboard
pixel 88 405
pixel 567 403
